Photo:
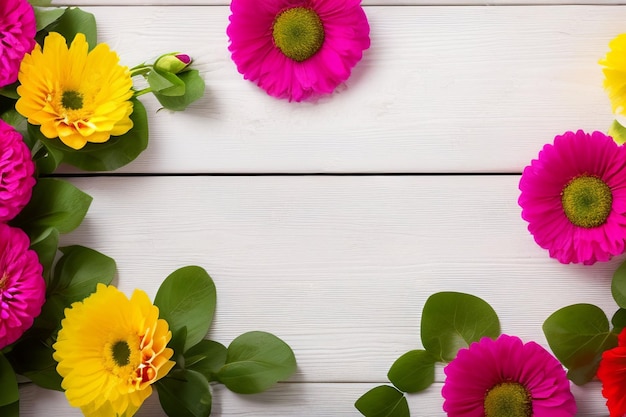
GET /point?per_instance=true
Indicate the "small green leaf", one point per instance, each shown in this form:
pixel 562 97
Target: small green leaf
pixel 618 285
pixel 413 372
pixel 383 401
pixel 577 335
pixel 619 320
pixel 452 320
pixel 194 90
pixel 255 362
pixel 185 393
pixel 55 203
pixel 74 21
pixel 8 383
pixel 19 123
pixel 10 410
pixel 112 154
pixel 207 357
pixel 46 245
pixel 41 3
pixel 187 298
pixel 32 358
pixel 617 132
pixel 46 16
pixel 165 83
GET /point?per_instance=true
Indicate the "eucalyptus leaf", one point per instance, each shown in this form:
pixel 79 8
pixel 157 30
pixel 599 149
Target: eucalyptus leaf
pixel 577 335
pixel 206 357
pixel 112 154
pixel 413 372
pixel 185 393
pixel 74 21
pixel 46 245
pixel 452 321
pixel 617 132
pixel 46 16
pixel 187 298
pixel 8 383
pixel 255 362
pixel 383 401
pixel 618 285
pixel 165 83
pixel 55 203
pixel 194 90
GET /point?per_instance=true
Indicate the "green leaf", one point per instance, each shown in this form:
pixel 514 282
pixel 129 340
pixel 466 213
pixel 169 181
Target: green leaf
pixel 187 298
pixel 112 154
pixel 577 335
pixel 10 410
pixel 8 383
pixel 185 393
pixel 194 89
pixel 41 3
pixel 46 245
pixel 32 358
pixel 255 362
pixel 55 203
pixel 619 320
pixel 165 83
pixel 452 320
pixel 207 357
pixel 46 16
pixel 74 21
pixel 617 132
pixel 618 285
pixel 413 372
pixel 19 123
pixel 383 401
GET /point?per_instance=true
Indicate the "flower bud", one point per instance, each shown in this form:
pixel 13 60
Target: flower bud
pixel 173 62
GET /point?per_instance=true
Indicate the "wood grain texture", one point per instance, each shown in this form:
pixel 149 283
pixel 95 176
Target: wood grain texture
pixel 442 89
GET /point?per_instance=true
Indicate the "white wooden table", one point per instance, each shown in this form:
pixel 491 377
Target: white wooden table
pixel 329 224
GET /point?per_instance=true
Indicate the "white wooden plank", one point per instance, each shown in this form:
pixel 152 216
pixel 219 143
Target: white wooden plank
pixel 443 89
pixel 339 267
pixel 289 400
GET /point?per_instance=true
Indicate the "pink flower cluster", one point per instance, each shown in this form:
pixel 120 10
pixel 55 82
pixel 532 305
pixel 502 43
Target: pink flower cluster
pixel 17 35
pixel 22 287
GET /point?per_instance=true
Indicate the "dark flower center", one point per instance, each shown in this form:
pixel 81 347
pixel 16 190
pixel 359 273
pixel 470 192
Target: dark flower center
pixel 508 399
pixel 72 100
pixel 587 201
pixel 121 353
pixel 298 32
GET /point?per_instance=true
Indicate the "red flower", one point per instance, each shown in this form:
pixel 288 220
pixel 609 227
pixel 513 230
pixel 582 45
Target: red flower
pixel 612 373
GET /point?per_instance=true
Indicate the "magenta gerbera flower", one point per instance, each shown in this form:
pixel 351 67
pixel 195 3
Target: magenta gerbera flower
pixel 295 49
pixel 16 173
pixel 22 288
pixel 573 197
pixel 17 35
pixel 506 377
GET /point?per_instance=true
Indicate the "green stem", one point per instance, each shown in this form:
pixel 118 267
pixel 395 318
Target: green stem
pixel 142 69
pixel 142 92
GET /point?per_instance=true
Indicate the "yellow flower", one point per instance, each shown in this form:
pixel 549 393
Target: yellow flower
pixel 614 69
pixel 110 350
pixel 75 95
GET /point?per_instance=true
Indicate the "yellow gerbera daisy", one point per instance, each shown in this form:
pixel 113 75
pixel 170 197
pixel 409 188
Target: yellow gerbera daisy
pixel 614 69
pixel 75 94
pixel 110 350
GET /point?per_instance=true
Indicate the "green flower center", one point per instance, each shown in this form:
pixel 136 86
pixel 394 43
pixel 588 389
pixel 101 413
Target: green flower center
pixel 298 32
pixel 72 100
pixel 508 399
pixel 587 201
pixel 121 353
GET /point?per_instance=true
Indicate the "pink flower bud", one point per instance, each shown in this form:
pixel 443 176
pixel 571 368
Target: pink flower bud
pixel 173 62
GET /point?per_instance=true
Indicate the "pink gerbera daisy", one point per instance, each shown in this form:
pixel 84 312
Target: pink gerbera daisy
pixel 574 197
pixel 505 377
pixel 16 172
pixel 22 288
pixel 297 48
pixel 17 37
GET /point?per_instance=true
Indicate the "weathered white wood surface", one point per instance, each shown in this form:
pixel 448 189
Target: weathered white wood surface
pixel 340 266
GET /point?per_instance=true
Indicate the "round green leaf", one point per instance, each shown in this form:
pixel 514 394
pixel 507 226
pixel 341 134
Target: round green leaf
pixel 187 298
pixel 185 393
pixel 75 21
pixel 207 357
pixel 112 154
pixel 413 372
pixel 194 89
pixel 619 320
pixel 383 401
pixel 452 321
pixel 577 335
pixel 618 285
pixel 45 16
pixel 255 362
